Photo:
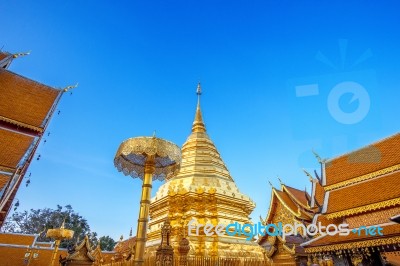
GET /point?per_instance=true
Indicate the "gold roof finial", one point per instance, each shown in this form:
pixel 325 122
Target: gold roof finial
pixel 198 124
pixel 308 175
pixel 70 87
pixel 198 91
pixel 319 159
pixel 16 55
pixel 280 181
pixel 63 224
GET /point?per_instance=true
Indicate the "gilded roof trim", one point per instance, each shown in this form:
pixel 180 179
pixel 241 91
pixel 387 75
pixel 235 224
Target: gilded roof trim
pixel 366 208
pixel 290 250
pixel 269 214
pixel 352 245
pixel 365 177
pixel 21 124
pixel 285 205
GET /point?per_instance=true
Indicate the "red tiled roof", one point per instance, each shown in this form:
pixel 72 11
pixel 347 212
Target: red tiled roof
pixel 319 193
pixel 382 154
pixel 388 231
pixel 25 100
pixel 2 56
pixel 3 180
pixel 126 245
pixel 13 147
pixel 16 239
pixel 299 195
pixel 365 193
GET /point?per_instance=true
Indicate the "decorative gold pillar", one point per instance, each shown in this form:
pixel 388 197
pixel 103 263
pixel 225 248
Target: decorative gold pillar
pixel 141 232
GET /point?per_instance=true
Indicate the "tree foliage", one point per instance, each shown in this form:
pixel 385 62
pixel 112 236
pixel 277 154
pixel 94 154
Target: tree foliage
pixel 37 221
pixel 107 243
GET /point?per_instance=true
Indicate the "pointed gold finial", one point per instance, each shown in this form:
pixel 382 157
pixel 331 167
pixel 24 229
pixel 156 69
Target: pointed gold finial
pixel 308 175
pixel 63 224
pixel 280 181
pixel 70 87
pixel 319 159
pixel 16 55
pixel 198 124
pixel 198 91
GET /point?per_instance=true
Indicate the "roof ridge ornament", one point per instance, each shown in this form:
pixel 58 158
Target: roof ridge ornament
pixel 67 88
pixel 16 55
pixel 280 181
pixel 320 160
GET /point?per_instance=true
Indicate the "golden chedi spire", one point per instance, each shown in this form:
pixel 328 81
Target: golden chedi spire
pixel 202 190
pixel 200 157
pixel 198 124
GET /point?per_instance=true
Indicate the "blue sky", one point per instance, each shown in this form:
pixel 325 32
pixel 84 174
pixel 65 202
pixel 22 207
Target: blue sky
pixel 138 63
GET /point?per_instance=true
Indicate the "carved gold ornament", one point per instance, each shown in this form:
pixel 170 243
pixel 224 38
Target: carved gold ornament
pixel 368 176
pixel 353 245
pixel 370 207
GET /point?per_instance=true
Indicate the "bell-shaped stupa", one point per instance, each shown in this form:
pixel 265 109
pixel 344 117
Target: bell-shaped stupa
pixel 203 192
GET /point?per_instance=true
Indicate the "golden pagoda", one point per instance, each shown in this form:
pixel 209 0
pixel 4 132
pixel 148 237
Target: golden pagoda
pixel 204 191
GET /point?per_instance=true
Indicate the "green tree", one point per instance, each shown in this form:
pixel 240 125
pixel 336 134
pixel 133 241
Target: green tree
pixel 39 220
pixel 107 243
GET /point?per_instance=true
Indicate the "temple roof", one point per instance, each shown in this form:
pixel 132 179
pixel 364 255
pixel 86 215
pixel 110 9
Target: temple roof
pixel 3 55
pixel 5 59
pixel 82 252
pixel 14 147
pixel 13 248
pixel 25 110
pixel 28 103
pixel 299 196
pixel 293 200
pixel 3 180
pixel 376 194
pixel 382 154
pixel 17 239
pixel 319 193
pixel 125 245
pixel 353 240
pixel 371 171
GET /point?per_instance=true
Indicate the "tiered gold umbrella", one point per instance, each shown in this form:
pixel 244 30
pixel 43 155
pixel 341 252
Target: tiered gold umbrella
pixel 146 158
